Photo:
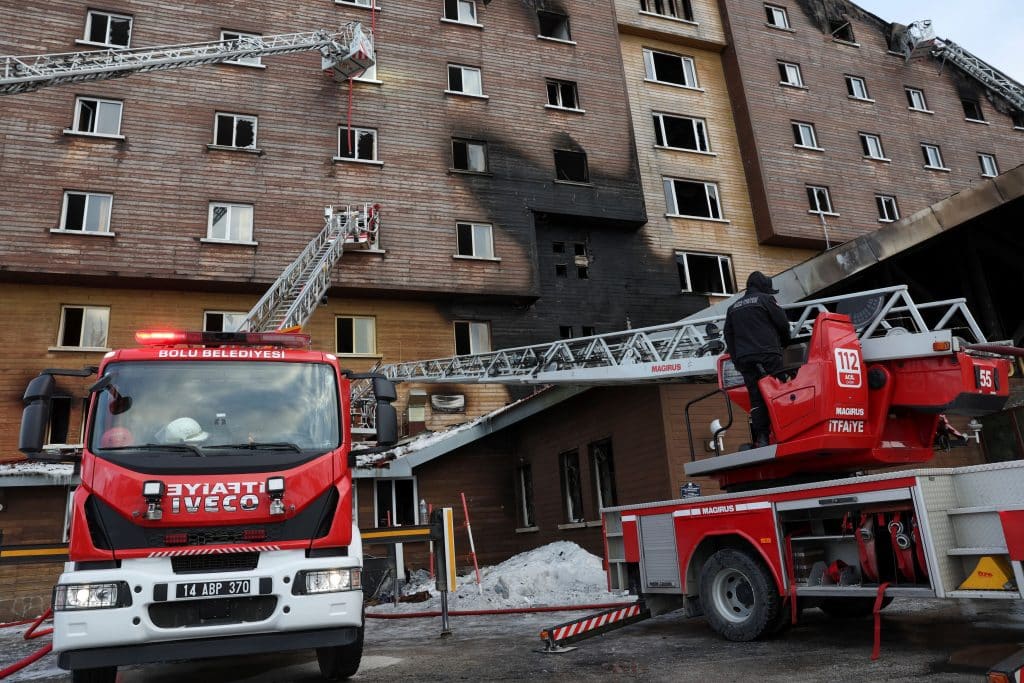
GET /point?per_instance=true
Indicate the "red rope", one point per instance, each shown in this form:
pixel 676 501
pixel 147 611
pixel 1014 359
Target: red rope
pixel 877 650
pixel 29 635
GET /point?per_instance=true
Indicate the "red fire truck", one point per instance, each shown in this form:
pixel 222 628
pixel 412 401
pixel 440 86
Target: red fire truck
pixel 214 514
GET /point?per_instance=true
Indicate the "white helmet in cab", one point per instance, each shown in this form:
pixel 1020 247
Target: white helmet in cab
pixel 184 429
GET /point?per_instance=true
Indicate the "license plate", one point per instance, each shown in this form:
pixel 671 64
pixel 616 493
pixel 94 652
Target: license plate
pixel 212 589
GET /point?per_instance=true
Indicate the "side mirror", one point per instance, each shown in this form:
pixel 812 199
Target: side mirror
pixel 36 416
pixel 387 424
pixel 384 389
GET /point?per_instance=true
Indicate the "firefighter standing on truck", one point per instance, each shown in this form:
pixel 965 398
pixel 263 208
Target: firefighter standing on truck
pixel 756 329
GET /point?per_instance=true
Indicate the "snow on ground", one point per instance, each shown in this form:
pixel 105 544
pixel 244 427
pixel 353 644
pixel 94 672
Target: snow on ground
pixel 560 573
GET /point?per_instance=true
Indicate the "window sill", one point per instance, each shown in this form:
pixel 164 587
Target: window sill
pixel 593 523
pixel 684 149
pixel 780 28
pixel 340 354
pixel 368 81
pixel 986 175
pixel 352 4
pixel 573 525
pixel 883 160
pixel 210 240
pixel 794 86
pixel 457 93
pixel 823 213
pixel 367 251
pixel 921 111
pixel 528 530
pixel 224 148
pixel 466 171
pixel 887 220
pixel 809 148
pixel 860 99
pixel 697 218
pixel 89 43
pixel 568 110
pixel 247 66
pixel 80 349
pixel 556 40
pixel 674 85
pixel 466 257
pixel 365 162
pixel 943 169
pixel 577 183
pixel 1018 127
pixel 846 42
pixel 688 22
pixel 982 122
pixel 690 291
pixel 63 231
pixel 446 20
pixel 100 136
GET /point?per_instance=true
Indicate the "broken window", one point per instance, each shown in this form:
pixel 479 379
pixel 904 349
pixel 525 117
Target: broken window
pixel 83 327
pixel 680 132
pixel 565 331
pixel 932 156
pixel 234 130
pixel 222 321
pixel 887 210
pixel 561 270
pixel 805 135
pixel 705 273
pixel 677 9
pixel 571 166
pixel 469 155
pixel 524 483
pixel 562 94
pixel 554 25
pixel 361 3
pixel 1018 119
pixel 582 273
pixel 588 330
pixel 558 247
pixel 108 29
pixel 665 67
pixel 819 200
pixel 465 80
pixel 692 199
pixel 230 222
pixel 474 239
pixel 579 248
pixel 989 168
pixel 972 110
pixel 356 335
pixel 871 145
pixel 857 88
pixel 357 144
pixel 572 494
pixel 472 337
pixel 60 419
pixel 915 99
pixel 603 468
pixel 777 16
pixel 462 11
pixel 97 117
pixel 395 502
pixel 789 74
pixel 86 212
pixel 842 29
pixel 253 60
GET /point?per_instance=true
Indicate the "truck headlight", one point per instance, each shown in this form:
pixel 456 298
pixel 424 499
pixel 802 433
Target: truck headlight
pixel 311 582
pixel 75 596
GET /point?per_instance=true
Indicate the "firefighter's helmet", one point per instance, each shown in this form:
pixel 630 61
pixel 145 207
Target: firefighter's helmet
pixel 184 430
pixel 116 437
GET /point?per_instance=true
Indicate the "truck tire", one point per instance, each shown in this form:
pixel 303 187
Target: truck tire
pixel 739 595
pixel 107 674
pixel 342 661
pixel 851 608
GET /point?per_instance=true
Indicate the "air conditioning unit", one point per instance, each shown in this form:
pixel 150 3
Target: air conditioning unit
pixel 448 403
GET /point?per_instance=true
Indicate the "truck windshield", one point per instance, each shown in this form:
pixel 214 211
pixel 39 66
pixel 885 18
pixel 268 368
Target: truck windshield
pixel 216 408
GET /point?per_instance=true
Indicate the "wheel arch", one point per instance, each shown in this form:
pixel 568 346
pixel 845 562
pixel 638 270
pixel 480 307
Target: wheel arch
pixel 712 543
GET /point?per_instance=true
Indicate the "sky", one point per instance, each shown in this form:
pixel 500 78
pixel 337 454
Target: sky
pixel 991 29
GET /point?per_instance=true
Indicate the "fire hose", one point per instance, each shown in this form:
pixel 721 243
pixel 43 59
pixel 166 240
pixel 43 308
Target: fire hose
pixel 507 610
pixel 30 634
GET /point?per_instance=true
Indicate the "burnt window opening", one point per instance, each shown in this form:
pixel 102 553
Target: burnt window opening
pixel 571 166
pixel 972 110
pixel 603 467
pixel 524 476
pixel 572 493
pixel 565 331
pixel 677 9
pixel 396 502
pixel 705 273
pixel 357 143
pixel 665 67
pixel 60 419
pixel 842 29
pixel 579 248
pixel 562 94
pixel 692 198
pixel 469 155
pixel 235 130
pixel 561 270
pixel 582 273
pixel 558 247
pixel 588 331
pixel 554 25
pixel 680 132
pixel 1018 119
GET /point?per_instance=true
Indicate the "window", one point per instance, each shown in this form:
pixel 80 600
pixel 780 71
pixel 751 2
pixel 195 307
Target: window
pixel 572 494
pixel 932 157
pixel 680 132
pixel 475 239
pixel 819 200
pixel 842 29
pixel 805 135
pixel 464 80
pixel 255 60
pixel 789 74
pixel 887 210
pixel 59 427
pixel 972 110
pixel 356 335
pixel 1018 119
pixel 83 327
pixel 472 338
pixel 571 166
pixel 234 130
pixel 582 272
pixel 86 212
pixel 705 273
pixel 857 88
pixel 562 94
pixel 462 11
pixel 524 482
pixel 664 67
pixel 565 331
pixel 223 321
pixel 370 75
pixel 361 3
pixel 97 117
pixel 561 270
pixel 777 16
pixel 588 330
pixel 558 247
pixel 871 145
pixel 677 9
pixel 359 145
pixel 989 168
pixel 469 155
pixel 395 502
pixel 692 198
pixel 915 99
pixel 230 222
pixel 554 25
pixel 603 468
pixel 108 29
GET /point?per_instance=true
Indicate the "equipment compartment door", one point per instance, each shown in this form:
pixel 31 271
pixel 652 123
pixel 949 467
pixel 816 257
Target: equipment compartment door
pixel 659 557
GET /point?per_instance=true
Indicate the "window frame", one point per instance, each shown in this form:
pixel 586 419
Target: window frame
pixel 63 225
pixel 910 92
pixel 355 352
pixel 770 14
pixel 109 15
pixel 866 140
pixel 231 207
pixel 976 103
pixel 463 68
pixel 784 72
pixel 982 158
pixel 85 309
pixel 688 66
pixel 926 147
pixel 100 101
pixel 648 7
pixel 724 264
pixel 251 62
pixel 458 11
pixel 559 85
pixel 527 515
pixel 206 314
pixel 700 132
pixel 799 126
pixel 596 470
pixel 563 23
pixel 828 197
pixel 471 142
pixel 470 326
pixel 393 503
pixel 559 170
pixel 571 499
pixel 356 132
pixel 365 4
pixel 881 203
pixel 851 89
pixel 673 206
pixel 473 227
pixel 254 120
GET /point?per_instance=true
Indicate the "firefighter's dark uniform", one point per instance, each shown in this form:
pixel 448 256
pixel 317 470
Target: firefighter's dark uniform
pixel 756 329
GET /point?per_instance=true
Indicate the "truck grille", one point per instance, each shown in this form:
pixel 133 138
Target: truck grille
pixel 214 535
pixel 227 562
pixel 186 613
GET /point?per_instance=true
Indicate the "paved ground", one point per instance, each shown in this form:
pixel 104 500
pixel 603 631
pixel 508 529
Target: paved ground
pixel 939 641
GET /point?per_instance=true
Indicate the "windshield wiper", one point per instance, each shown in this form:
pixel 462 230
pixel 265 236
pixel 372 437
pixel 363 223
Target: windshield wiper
pixel 159 447
pixel 260 445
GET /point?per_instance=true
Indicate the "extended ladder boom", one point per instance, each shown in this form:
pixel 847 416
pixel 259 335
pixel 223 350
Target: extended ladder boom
pixel 347 53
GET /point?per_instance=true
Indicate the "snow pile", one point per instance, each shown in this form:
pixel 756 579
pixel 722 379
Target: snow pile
pixel 560 573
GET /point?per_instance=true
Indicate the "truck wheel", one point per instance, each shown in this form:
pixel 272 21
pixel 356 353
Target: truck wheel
pixel 107 674
pixel 342 661
pixel 851 608
pixel 738 595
